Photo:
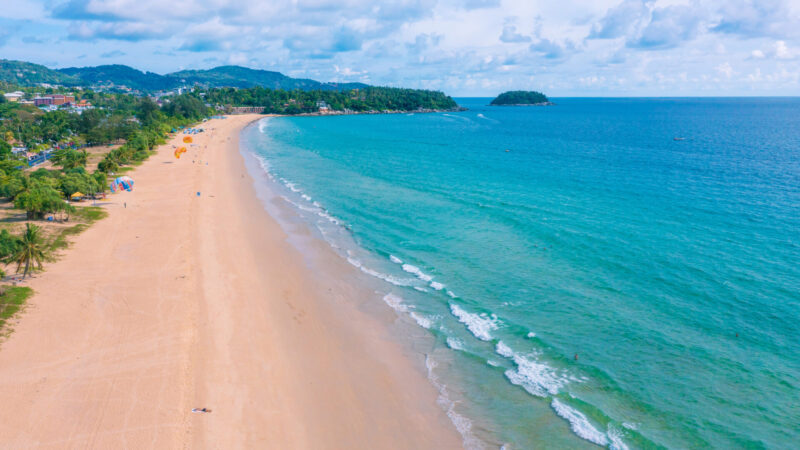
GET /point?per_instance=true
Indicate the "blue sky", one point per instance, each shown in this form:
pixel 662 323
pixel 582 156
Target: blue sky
pixel 468 47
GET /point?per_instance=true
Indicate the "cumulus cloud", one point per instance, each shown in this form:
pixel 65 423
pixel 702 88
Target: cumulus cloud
pixel 755 18
pixel 474 4
pixel 668 27
pixel 346 40
pixel 452 44
pixel 113 54
pixel 424 42
pixel 622 20
pixel 644 25
pixel 725 69
pixel 550 49
pixel 547 47
pixel 202 45
pixel 510 34
pixel 83 10
pixel 779 50
pixel 128 31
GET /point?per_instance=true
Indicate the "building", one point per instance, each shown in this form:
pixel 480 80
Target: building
pixel 42 101
pixel 14 96
pixel 59 99
pixel 55 99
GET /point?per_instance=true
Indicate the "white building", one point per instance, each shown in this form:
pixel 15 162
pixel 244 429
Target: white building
pixel 14 96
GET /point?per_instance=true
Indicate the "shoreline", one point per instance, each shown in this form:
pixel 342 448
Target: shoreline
pixel 361 113
pixel 183 300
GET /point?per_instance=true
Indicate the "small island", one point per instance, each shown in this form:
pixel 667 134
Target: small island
pixel 521 98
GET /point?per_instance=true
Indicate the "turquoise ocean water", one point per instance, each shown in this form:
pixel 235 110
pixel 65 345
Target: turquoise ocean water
pixel 584 277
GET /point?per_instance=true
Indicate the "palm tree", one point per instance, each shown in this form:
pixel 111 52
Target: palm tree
pixel 69 158
pixel 31 249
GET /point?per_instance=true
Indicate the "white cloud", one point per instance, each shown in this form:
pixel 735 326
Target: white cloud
pixel 510 34
pixel 725 69
pixel 782 51
pixel 584 47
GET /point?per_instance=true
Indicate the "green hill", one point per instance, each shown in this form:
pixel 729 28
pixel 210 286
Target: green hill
pixel 520 98
pixel 29 74
pixel 243 77
pixel 120 75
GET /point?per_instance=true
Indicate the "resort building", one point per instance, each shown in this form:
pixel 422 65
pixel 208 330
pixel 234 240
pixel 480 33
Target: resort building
pixel 55 99
pixel 14 96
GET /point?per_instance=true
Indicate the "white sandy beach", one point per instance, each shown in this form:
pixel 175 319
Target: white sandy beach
pixel 180 301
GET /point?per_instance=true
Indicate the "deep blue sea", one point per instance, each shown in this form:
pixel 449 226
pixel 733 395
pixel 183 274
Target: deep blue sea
pixel 586 278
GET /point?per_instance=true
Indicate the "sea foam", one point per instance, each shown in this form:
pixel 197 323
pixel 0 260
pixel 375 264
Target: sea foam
pixel 395 302
pixel 424 322
pixel 535 377
pixel 387 278
pixel 416 271
pixel 462 424
pixel 579 423
pixel 455 343
pixel 479 325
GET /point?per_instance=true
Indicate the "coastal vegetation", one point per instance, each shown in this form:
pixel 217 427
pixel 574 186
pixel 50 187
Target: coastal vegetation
pixel 12 299
pixel 129 126
pixel 278 101
pixel 517 98
pixel 30 250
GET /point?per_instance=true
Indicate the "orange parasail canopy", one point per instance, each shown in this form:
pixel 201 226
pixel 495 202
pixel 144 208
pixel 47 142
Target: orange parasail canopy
pixel 179 151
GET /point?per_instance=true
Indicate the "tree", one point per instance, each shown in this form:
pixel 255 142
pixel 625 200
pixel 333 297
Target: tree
pixel 108 165
pixel 69 158
pixel 5 150
pixel 148 112
pixel 39 198
pixel 101 179
pixel 11 185
pixel 8 244
pixel 74 182
pixel 31 249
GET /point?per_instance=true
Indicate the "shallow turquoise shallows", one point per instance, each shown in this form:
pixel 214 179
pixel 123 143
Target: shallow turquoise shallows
pixel 621 272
